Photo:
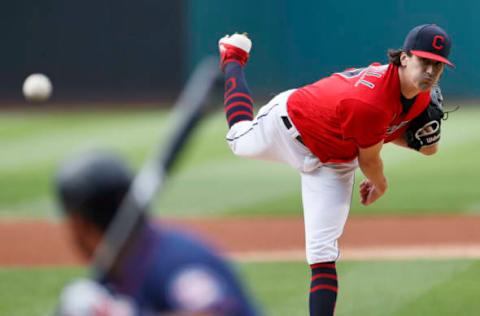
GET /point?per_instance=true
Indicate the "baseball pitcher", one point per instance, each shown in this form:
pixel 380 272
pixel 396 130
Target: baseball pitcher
pixel 327 129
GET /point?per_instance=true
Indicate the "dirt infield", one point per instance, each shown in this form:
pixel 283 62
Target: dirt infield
pixel 35 243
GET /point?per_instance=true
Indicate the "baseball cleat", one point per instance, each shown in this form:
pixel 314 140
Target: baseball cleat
pixel 234 48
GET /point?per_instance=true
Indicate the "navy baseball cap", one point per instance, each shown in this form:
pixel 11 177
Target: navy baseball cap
pixel 429 41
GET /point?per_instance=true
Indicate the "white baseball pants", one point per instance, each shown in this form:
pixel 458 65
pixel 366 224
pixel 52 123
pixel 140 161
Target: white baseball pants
pixel 326 188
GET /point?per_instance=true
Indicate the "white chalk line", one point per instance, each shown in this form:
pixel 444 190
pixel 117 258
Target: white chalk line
pixel 436 252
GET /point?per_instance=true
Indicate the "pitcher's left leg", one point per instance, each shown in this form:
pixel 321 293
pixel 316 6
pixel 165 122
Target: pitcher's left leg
pixel 326 197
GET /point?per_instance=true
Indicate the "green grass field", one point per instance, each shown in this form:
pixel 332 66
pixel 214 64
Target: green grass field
pixel 209 175
pixel 402 288
pixel 207 183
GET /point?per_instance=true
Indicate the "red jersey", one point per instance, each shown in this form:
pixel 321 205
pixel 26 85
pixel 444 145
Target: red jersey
pixel 355 108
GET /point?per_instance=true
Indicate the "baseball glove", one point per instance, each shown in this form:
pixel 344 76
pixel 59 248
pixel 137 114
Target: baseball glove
pixel 424 130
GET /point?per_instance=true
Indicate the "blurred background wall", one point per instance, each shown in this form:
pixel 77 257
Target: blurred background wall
pixel 143 50
pixel 93 49
pixel 296 42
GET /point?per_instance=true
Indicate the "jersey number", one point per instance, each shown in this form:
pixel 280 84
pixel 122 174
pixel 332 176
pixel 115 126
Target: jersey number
pixel 362 73
pixel 351 72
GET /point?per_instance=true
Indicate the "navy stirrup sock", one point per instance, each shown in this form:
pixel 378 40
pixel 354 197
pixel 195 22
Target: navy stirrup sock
pixel 237 100
pixel 323 289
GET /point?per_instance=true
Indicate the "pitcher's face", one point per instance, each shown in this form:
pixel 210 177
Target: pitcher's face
pixel 421 73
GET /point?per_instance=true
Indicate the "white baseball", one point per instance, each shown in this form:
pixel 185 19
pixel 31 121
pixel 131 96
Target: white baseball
pixel 37 88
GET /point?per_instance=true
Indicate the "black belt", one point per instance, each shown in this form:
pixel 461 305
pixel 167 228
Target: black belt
pixel 289 125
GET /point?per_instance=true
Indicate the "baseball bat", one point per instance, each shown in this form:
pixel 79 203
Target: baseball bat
pixel 148 183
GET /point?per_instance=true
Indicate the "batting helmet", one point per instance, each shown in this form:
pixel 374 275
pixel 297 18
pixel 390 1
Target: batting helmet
pixel 93 186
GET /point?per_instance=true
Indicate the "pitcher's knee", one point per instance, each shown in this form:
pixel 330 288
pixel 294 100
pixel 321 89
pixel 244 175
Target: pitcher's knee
pixel 322 253
pixel 243 149
pixel 241 139
pixel 236 149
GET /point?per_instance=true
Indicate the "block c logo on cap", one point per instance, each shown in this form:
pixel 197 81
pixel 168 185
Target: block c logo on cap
pixel 438 41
